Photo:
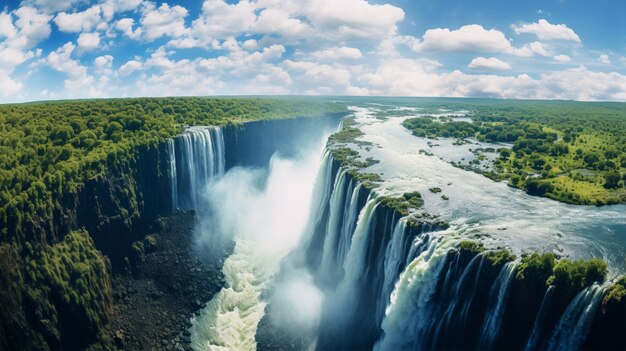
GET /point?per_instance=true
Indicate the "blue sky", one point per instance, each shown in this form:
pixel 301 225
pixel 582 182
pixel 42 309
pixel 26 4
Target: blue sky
pixel 549 49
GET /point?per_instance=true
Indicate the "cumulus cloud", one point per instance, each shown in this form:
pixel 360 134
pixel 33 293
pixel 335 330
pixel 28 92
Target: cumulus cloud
pixel 103 65
pixel 125 25
pixel 491 63
pixel 287 47
pixel 79 21
pixel 292 20
pixel 405 77
pixel 112 7
pixel 20 31
pixel 544 30
pixel 30 28
pixel 469 38
pixel 343 52
pixel 78 79
pixel 129 67
pixel 155 22
pixel 88 41
pixel 604 58
pixel 50 6
pixel 562 58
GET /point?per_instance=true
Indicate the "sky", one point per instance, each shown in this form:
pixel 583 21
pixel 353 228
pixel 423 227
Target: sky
pixel 534 49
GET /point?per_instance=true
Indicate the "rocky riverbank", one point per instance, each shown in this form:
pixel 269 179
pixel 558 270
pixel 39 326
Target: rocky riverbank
pixel 158 294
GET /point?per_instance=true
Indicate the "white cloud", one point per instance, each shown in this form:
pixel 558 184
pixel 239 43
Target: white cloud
pixel 469 38
pixel 112 7
pixel 346 19
pixel 250 44
pixel 405 77
pixel 78 80
pixel 129 67
pixel 79 21
pixel 125 25
pixel 88 41
pixel 20 31
pixel 31 27
pixel 161 21
pixel 291 20
pixel 562 58
pixel 604 58
pixel 320 74
pixel 537 48
pixel 544 30
pixel 50 6
pixel 104 65
pixel 491 63
pixel 581 84
pixel 338 53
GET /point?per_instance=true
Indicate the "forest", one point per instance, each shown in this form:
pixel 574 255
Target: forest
pixel 47 149
pixel 573 152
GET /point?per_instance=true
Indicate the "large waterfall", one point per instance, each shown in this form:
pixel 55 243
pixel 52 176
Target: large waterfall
pixel 388 283
pixel 196 157
pixel 392 286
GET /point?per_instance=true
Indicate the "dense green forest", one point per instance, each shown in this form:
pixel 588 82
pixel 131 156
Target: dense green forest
pixel 570 151
pixel 48 149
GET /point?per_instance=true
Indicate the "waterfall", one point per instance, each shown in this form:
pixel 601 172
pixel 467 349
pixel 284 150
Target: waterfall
pixel 392 266
pixel 355 261
pixel 540 319
pixel 410 311
pixel 195 158
pixel 337 206
pixel 574 325
pixel 498 299
pixel 391 286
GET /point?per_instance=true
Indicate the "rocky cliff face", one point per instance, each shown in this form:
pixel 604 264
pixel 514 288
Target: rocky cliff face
pixel 58 292
pixel 55 284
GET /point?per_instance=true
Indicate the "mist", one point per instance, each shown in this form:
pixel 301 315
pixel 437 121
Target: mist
pixel 265 211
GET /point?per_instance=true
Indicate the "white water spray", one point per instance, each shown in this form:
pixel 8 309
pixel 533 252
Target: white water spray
pixel 266 215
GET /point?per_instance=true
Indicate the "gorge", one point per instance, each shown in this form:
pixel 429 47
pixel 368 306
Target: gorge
pixel 358 241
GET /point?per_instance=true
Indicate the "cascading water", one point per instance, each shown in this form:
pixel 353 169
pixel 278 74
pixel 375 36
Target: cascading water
pixel 575 323
pixel 497 303
pixel 264 212
pixel 387 284
pixel 195 158
pixel 390 287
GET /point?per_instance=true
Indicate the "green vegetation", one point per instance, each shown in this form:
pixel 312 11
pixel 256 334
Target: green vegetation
pixel 349 158
pixel 567 274
pixel 69 278
pixel 535 266
pixel 47 150
pixel 616 293
pixel 403 203
pixel 471 246
pixel 348 133
pixel 576 275
pixel 569 151
pixel 570 276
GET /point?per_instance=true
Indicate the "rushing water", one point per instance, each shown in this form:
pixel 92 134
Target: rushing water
pixel 196 158
pixel 363 278
pixel 509 216
pixel 265 213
